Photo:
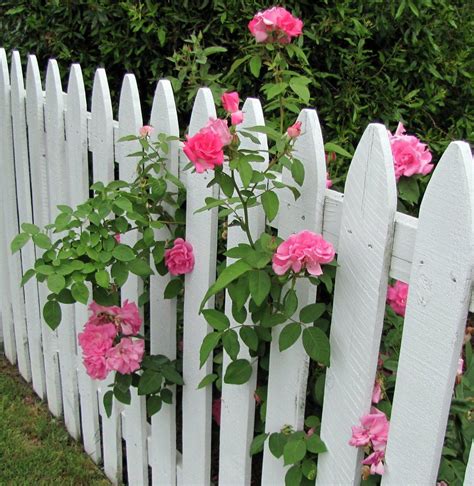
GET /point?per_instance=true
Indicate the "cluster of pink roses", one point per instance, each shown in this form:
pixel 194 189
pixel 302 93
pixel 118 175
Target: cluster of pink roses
pixel 397 297
pixel 104 345
pixel 303 250
pixel 373 433
pixel 410 156
pixel 275 24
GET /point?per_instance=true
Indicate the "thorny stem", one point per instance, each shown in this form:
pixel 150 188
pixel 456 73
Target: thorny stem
pixel 246 212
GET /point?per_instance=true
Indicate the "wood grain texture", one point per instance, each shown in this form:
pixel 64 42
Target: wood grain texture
pixel 365 241
pixel 438 302
pixel 288 371
pixel 469 476
pixel 162 451
pixel 5 160
pixel 237 401
pixel 201 232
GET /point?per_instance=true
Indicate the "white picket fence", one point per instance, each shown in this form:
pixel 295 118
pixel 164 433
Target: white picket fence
pixel 45 141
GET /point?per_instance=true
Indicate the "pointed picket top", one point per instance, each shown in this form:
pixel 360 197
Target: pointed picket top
pixel 288 370
pixel 365 242
pixel 435 319
pixel 101 136
pixel 238 402
pixel 201 232
pixel 17 83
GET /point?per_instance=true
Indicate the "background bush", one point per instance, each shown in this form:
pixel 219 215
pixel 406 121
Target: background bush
pixel 371 59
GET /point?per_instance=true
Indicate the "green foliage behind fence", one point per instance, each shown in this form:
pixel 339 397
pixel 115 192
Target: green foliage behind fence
pixel 371 60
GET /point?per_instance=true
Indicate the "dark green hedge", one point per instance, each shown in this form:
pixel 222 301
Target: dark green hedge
pixel 371 59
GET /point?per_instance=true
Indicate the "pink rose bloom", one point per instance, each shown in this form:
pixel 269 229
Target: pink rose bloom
pixel 180 259
pixel 230 101
pixel 97 340
pixel 126 356
pixel 375 461
pixel 275 24
pixel 128 318
pixel 374 429
pixel 145 131
pixel 377 392
pixel 397 297
pixel 221 129
pixel 204 150
pixel 216 410
pixel 460 367
pixel 295 130
pixel 328 181
pixel 410 156
pixel 117 237
pixel 303 250
pixel 237 117
pixel 96 366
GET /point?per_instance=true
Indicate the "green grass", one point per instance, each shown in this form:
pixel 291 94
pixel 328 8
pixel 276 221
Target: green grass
pixel 35 448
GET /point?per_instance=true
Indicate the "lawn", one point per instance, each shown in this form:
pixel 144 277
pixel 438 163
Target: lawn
pixel 34 446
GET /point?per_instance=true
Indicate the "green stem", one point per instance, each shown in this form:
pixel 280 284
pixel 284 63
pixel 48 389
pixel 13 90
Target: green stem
pixel 246 212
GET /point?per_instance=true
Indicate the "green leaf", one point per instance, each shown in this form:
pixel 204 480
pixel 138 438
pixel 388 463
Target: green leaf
pixel 172 375
pixel 275 89
pixel 140 267
pixel 19 242
pixel 158 252
pixel 123 253
pixel 123 396
pixel 207 380
pixel 153 405
pixel 231 343
pixel 102 278
pixel 52 314
pixel 124 204
pixel 297 171
pixel 259 285
pixel 227 184
pixel 249 337
pixel 56 283
pixel 300 89
pixel 80 292
pixel 228 275
pixel 29 228
pixel 150 382
pixel 108 399
pixel 173 288
pixel 216 319
pixel 293 476
pixel 316 344
pixel 207 346
pixel 257 444
pixel 290 302
pixel 308 468
pixel 312 312
pixel 270 204
pixel 27 275
pixel 289 335
pixel 294 451
pixel 332 147
pixel 239 291
pixel 255 65
pixel 119 273
pixel 42 241
pixel 65 297
pixel 238 372
pixel 277 443
pixel 315 444
pixel 148 237
pixel 167 396
pixel 245 171
pixel 408 190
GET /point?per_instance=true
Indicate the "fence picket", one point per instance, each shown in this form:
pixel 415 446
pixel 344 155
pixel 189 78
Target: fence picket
pixel 365 240
pixel 435 319
pixel 101 144
pixel 10 208
pixel 25 213
pixel 78 187
pixel 201 232
pixel 5 155
pixel 469 476
pixel 134 416
pixel 238 402
pixel 40 194
pixel 162 446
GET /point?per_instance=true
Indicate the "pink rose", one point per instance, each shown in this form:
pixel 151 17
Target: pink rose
pixel 216 410
pixel 179 259
pixel 328 181
pixel 126 319
pixel 221 129
pixel 303 250
pixel 237 117
pixel 145 131
pixel 374 429
pixel 295 130
pixel 230 101
pixel 96 366
pixel 117 237
pixel 376 392
pixel 126 356
pixel 397 297
pixel 97 340
pixel 410 156
pixel 375 460
pixel 275 24
pixel 460 367
pixel 204 150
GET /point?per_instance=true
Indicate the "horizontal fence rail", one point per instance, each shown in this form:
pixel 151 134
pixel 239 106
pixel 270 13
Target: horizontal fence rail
pixel 52 148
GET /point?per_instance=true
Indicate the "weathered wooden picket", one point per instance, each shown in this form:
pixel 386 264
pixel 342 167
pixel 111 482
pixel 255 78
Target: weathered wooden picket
pixel 47 141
